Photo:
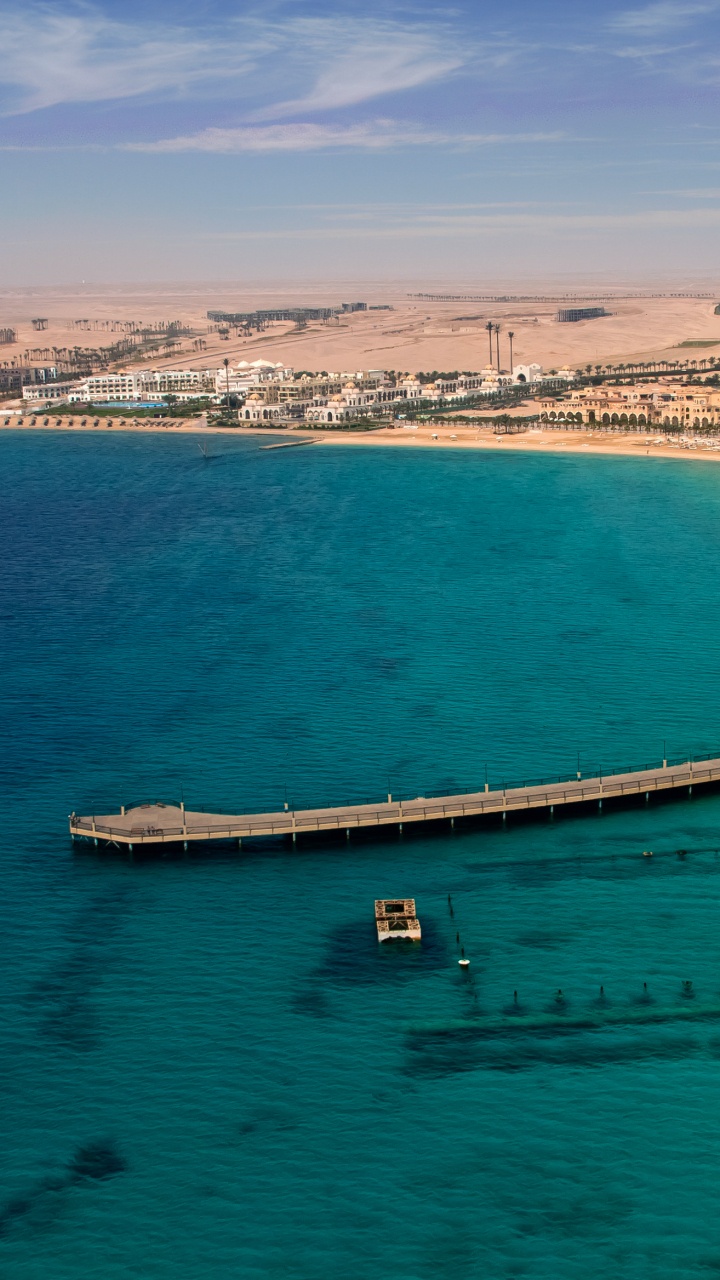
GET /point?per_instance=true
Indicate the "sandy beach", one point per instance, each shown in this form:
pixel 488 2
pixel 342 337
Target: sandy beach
pixel 535 440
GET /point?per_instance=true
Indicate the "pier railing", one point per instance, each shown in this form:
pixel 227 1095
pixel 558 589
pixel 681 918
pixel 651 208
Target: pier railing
pixel 168 823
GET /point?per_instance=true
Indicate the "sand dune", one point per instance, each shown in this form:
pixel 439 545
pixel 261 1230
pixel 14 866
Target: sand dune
pixel 415 335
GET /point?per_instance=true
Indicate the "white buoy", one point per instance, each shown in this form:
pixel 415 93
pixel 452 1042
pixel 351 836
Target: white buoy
pixel 464 964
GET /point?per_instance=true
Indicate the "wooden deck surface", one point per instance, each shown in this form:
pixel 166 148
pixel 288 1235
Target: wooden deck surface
pixel 163 823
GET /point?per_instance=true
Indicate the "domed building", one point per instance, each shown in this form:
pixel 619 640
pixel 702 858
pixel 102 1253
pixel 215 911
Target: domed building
pixel 256 410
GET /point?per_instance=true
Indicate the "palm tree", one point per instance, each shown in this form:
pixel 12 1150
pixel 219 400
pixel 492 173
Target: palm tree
pixel 489 327
pixel 511 335
pixel 497 344
pixel 226 362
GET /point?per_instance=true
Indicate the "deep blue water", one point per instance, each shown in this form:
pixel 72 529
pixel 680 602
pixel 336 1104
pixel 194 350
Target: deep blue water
pixel 209 1069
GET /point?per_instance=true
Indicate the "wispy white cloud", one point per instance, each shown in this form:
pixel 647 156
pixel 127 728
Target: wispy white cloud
pixel 81 55
pixel 665 15
pixel 434 226
pixel 360 60
pixel 375 135
pixel 51 57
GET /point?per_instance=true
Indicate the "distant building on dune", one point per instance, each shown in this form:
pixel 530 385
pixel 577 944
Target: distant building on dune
pixel 298 315
pixel 570 315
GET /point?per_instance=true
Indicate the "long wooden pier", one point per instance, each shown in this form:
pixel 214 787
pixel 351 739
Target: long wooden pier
pixel 152 824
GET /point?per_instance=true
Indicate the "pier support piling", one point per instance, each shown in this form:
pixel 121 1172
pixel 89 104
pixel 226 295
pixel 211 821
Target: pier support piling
pixel 164 822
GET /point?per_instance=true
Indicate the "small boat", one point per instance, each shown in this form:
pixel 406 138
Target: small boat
pixel 396 920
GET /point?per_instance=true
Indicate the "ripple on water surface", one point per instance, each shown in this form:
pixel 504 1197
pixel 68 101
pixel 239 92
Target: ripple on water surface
pixel 211 1069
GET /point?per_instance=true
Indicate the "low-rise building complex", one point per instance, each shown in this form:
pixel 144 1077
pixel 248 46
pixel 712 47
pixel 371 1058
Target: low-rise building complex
pixel 666 404
pixel 269 391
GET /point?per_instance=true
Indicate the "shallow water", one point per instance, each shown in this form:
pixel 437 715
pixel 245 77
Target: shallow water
pixel 209 1068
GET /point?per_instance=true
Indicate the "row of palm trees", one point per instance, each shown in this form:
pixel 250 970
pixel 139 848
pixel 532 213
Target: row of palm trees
pixel 653 366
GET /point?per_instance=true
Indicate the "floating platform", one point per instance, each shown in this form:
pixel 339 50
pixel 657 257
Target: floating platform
pixel 396 920
pixel 171 823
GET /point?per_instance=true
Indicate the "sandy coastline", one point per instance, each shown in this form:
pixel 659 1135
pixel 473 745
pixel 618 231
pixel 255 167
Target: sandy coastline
pixel 535 440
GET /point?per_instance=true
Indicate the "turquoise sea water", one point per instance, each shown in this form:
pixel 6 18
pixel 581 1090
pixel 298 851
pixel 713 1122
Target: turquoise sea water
pixel 209 1069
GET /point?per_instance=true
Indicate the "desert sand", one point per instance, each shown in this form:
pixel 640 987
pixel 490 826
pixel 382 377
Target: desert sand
pixel 416 335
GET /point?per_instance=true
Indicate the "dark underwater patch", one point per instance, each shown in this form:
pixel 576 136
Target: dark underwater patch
pixel 354 955
pixel 95 1161
pixel 543 939
pixel 267 1120
pixel 583 1214
pixel 62 998
pixel 446 1056
pixel 39 1206
pixel 311 1001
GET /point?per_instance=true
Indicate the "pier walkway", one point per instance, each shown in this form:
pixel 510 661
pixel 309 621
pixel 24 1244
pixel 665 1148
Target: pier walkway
pixel 152 824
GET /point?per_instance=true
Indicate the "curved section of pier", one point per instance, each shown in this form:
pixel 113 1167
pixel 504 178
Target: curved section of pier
pixel 169 823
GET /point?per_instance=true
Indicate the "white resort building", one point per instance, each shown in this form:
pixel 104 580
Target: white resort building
pixel 125 387
pixel 271 390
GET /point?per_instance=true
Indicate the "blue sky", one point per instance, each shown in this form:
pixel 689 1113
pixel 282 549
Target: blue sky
pixel 306 139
